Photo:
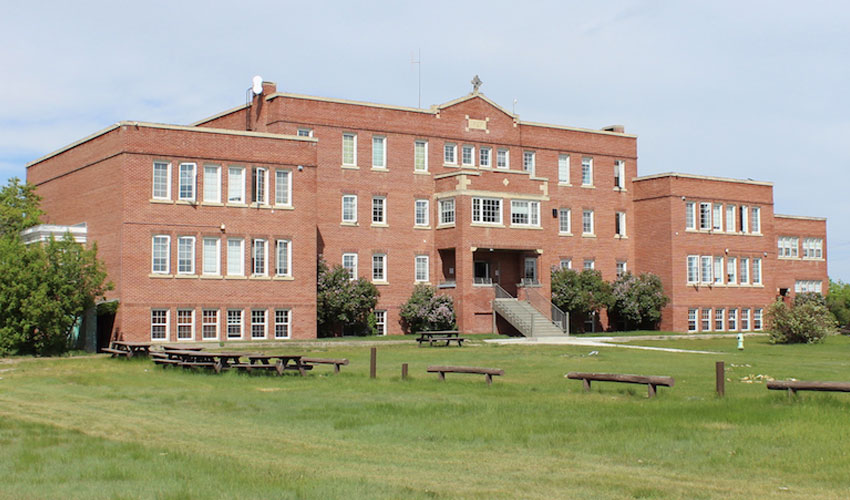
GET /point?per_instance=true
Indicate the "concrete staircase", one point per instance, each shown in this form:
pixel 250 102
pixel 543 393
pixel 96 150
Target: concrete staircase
pixel 525 318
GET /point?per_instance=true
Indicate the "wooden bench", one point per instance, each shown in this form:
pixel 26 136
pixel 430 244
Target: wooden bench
pixel 118 352
pixel 325 361
pixel 487 372
pixel 249 367
pixel 651 381
pixel 201 364
pixel 792 386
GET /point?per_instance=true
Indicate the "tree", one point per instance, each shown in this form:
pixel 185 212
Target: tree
pixel 45 289
pixel 19 207
pixel 580 293
pixel 638 300
pixel 425 310
pixel 341 301
pixel 838 302
pixel 808 321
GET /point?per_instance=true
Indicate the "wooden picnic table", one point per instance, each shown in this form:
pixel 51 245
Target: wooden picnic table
pixel 128 349
pixel 182 348
pixel 218 361
pixel 447 336
pixel 282 363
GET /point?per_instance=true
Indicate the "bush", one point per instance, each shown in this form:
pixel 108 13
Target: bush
pixel 838 302
pixel 425 310
pixel 580 293
pixel 343 304
pixel 807 322
pixel 638 300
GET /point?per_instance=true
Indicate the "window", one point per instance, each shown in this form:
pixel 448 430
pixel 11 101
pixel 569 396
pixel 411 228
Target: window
pixel 379 212
pixel 621 268
pixel 733 320
pixel 731 271
pixel 159 324
pixel 379 267
pixel 755 219
pixel 258 323
pixel 719 319
pixel 705 320
pixel 812 248
pixel 185 324
pixel 718 270
pixel 692 320
pixel 236 185
pixel 730 218
pixel 484 157
pixel 305 132
pixel 481 273
pixel 620 224
pixel 503 158
pixel 258 258
pixel 757 319
pixel 450 153
pixel 161 254
pixel 745 272
pixel 234 323
pixel 803 286
pixel 705 269
pixel 757 271
pixel 788 247
pixel 381 322
pixel 161 180
pixel 420 156
pixel 379 151
pixel 186 255
pixel 528 161
pixel 420 216
pixel 212 184
pixel 259 183
pixel 745 320
pixel 525 213
pixel 589 264
pixel 209 324
pixel 349 208
pixel 566 264
pixel 235 257
pixel 186 191
pixel 487 210
pixel 620 174
pixel 693 269
pixel 421 274
pixel 717 216
pixel 587 171
pixel 467 155
pixel 349 149
pixel 705 216
pixel 283 187
pixel 283 262
pixel 564 221
pixel 530 271
pixel 349 262
pixel 563 169
pixel 282 319
pixel 447 211
pixel 690 208
pixel 587 222
pixel 744 221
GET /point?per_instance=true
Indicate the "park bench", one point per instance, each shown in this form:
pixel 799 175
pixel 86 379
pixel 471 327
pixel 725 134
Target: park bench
pixel 325 361
pixel 487 372
pixel 651 381
pixel 792 386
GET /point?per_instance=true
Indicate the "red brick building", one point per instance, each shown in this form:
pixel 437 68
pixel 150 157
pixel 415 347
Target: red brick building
pixel 212 231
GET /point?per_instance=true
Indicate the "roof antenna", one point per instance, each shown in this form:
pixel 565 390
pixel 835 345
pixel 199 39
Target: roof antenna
pixel 418 61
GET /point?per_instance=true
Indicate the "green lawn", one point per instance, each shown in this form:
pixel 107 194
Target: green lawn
pixel 95 427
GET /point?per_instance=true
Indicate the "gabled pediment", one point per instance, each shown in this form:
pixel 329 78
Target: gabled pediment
pixel 470 97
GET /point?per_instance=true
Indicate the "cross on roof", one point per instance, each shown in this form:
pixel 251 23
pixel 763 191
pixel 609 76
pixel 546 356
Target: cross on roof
pixel 476 82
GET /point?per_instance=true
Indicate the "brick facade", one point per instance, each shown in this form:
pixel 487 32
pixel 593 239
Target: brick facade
pixel 335 148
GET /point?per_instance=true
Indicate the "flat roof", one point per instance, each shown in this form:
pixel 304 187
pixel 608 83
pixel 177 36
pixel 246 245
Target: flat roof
pixel 799 217
pixel 702 177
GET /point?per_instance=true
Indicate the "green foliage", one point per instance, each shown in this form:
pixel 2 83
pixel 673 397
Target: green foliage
pixel 807 322
pixel 580 293
pixel 425 310
pixel 638 300
pixel 18 207
pixel 342 302
pixel 838 302
pixel 44 290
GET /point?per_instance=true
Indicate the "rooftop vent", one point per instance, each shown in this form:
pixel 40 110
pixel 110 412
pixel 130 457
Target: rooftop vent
pixel 615 128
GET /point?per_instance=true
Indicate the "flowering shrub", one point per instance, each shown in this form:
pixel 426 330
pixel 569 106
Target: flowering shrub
pixel 425 310
pixel 342 303
pixel 808 322
pixel 638 301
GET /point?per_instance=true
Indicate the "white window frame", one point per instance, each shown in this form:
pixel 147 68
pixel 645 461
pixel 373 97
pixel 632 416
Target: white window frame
pixel 467 151
pixel 230 322
pixel 564 222
pixel 789 247
pixel 259 257
pixel 189 183
pixel 485 157
pixel 260 179
pixel 732 320
pixel 282 323
pixel 480 204
pixel 706 268
pixel 563 169
pixel 205 322
pixel 756 274
pixel 705 320
pixel 352 199
pixel 379 268
pixel 165 326
pixel 529 161
pixel 420 151
pixel 692 320
pixel 690 215
pixel 745 319
pixel 529 270
pixel 283 187
pixel 589 264
pixel 527 210
pixel 620 224
pixel 704 216
pixel 259 314
pixel 212 183
pixel 190 324
pixel 813 248
pixel 421 269
pixel 620 174
pixel 730 218
pixel 352 138
pixel 587 171
pixel 381 321
pixel 503 158
pixel 744 271
pixel 621 268
pixel 718 271
pixel 379 151
pixel 755 220
pixel 304 132
pixel 587 223
pixel 232 262
pixel 565 263
pixel 758 319
pixel 155 194
pixel 236 184
pixel 421 212
pixel 447 211
pixel 731 271
pixel 745 220
pixel 283 263
pixel 719 319
pixel 692 269
pixel 449 153
pixel 183 259
pixel 167 244
pixel 352 269
pixel 379 210
pixel 717 217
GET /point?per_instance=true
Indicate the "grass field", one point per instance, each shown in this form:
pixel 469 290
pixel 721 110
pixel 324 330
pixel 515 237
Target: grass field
pixel 95 427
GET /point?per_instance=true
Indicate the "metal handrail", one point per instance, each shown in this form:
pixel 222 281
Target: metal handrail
pixel 501 293
pixel 552 312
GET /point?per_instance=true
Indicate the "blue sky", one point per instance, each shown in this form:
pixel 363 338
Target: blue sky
pixel 736 89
